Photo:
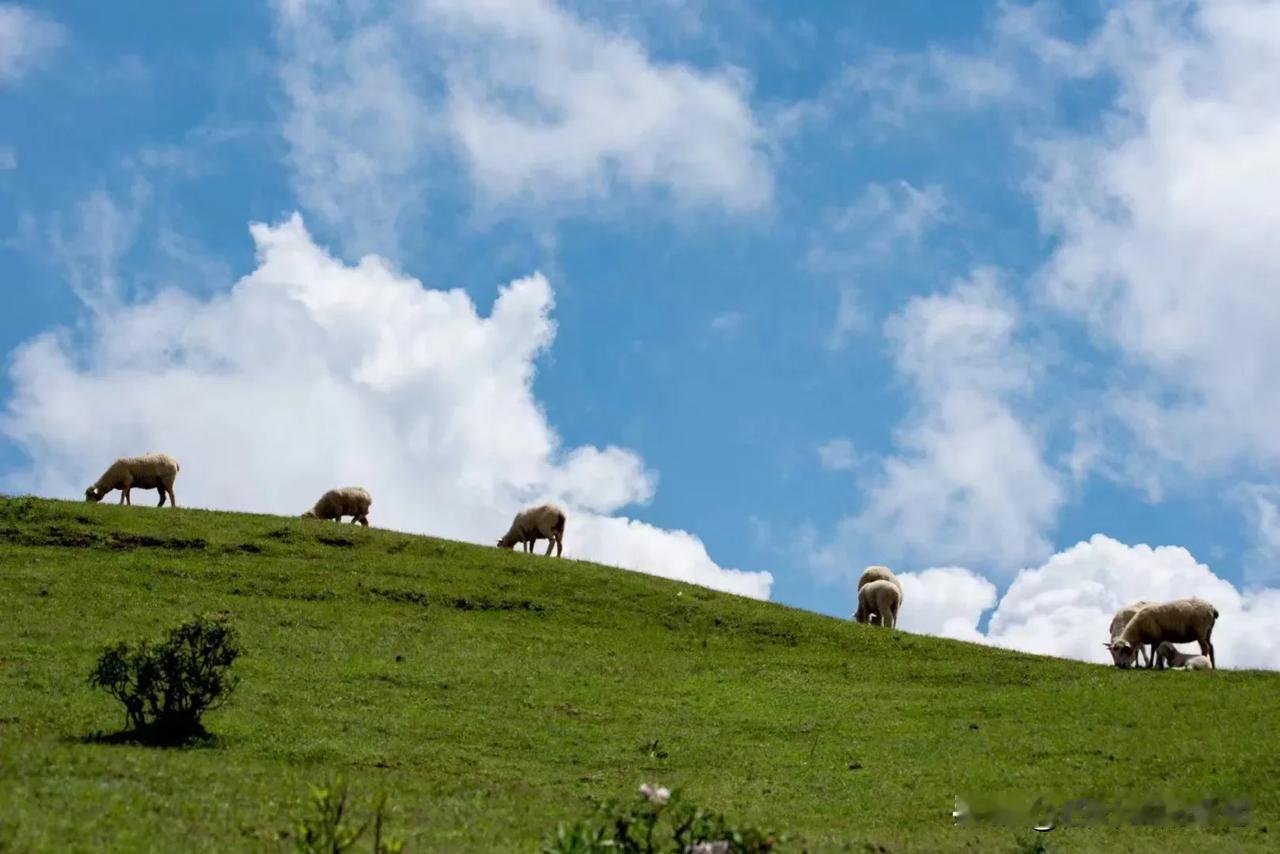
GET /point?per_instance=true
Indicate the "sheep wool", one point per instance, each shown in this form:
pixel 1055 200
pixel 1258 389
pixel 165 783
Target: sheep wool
pixel 880 573
pixel 353 501
pixel 149 471
pixel 1176 621
pixel 1168 655
pixel 1119 621
pixel 879 599
pixel 544 522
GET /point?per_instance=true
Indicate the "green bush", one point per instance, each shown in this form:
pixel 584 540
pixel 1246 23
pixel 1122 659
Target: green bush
pixel 658 820
pixel 167 687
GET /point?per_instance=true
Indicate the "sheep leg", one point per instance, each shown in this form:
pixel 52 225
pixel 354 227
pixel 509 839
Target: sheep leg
pixel 363 520
pixel 551 544
pixel 173 499
pixel 559 546
pixel 1206 649
pixel 160 490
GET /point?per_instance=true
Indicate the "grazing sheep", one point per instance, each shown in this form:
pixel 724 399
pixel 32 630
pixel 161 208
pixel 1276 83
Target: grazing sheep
pixel 544 522
pixel 149 471
pixel 880 573
pixel 1168 655
pixel 879 599
pixel 1177 621
pixel 350 501
pixel 1119 621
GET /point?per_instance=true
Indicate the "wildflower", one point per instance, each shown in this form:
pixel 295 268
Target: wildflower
pixel 718 847
pixel 656 794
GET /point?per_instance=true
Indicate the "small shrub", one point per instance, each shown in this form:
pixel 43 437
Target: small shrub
pixel 658 820
pixel 167 687
pixel 328 830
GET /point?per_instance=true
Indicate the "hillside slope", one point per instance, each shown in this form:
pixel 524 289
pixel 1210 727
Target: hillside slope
pixel 491 693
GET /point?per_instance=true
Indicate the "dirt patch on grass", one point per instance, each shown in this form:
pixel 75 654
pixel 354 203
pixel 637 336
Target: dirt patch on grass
pixel 467 603
pixel 412 597
pixel 73 538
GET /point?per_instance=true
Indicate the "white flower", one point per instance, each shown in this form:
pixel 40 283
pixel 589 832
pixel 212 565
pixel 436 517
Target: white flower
pixel 718 847
pixel 656 794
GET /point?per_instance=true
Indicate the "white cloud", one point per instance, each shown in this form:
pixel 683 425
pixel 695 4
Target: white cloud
pixel 546 106
pixel 897 88
pixel 359 131
pixel 26 41
pixel 947 602
pixel 859 240
pixel 837 455
pixel 970 484
pixel 850 317
pixel 727 323
pixel 1064 607
pixel 8 159
pixel 88 250
pixel 541 107
pixel 1262 512
pixel 310 373
pixel 1166 219
pixel 885 220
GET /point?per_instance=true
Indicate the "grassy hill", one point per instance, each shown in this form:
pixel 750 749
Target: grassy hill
pixel 492 694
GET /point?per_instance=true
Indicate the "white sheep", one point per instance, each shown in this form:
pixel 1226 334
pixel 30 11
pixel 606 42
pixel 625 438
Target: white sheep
pixel 149 471
pixel 1119 621
pixel 353 501
pixel 1178 621
pixel 544 522
pixel 1168 655
pixel 880 573
pixel 879 599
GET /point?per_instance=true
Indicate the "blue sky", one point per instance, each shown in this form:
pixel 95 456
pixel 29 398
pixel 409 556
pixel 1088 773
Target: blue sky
pixel 981 291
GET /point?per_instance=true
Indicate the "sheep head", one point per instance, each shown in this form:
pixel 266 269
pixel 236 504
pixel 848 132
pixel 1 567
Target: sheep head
pixel 1122 652
pixel 310 514
pixel 92 495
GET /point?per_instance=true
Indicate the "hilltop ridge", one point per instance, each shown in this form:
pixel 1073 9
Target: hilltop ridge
pixel 491 693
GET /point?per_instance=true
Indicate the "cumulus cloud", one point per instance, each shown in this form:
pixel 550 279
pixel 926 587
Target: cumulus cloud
pixel 945 601
pixel 969 483
pixel 1166 219
pixel 26 41
pixel 545 105
pixel 1064 606
pixel 310 373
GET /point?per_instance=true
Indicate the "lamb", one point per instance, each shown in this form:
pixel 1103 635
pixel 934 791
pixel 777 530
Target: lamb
pixel 879 598
pixel 1168 655
pixel 546 521
pixel 352 501
pixel 879 573
pixel 1177 621
pixel 1120 620
pixel 149 471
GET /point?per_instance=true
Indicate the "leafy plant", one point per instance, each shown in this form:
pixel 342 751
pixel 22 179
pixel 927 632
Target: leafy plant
pixel 167 687
pixel 328 829
pixel 658 820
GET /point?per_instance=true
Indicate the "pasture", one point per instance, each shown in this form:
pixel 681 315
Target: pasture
pixel 492 694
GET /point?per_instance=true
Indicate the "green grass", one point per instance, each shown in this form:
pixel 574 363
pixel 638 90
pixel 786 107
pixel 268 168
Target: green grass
pixel 494 694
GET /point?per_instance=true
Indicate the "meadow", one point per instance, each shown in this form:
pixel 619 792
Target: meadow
pixel 493 694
